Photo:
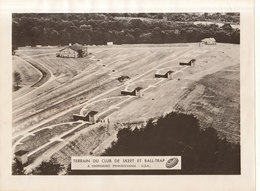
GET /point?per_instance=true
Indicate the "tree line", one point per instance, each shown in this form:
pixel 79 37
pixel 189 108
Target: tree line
pixel 177 134
pixel 61 29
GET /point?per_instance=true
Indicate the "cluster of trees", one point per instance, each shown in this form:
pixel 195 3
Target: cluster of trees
pixel 61 29
pixel 17 168
pixel 202 151
pixel 17 79
pixel 233 18
pixel 51 167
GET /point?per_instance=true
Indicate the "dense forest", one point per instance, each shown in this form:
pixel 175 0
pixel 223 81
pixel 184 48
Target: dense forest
pixel 122 28
pixel 176 134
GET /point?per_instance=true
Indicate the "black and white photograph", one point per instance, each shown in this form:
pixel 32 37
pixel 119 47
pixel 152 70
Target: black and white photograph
pixel 130 87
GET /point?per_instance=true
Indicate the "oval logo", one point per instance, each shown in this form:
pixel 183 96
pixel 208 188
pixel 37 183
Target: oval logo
pixel 172 162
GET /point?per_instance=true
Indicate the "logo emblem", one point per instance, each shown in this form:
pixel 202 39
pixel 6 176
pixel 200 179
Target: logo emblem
pixel 172 162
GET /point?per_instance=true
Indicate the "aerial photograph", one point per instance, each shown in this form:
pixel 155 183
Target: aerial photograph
pixel 126 84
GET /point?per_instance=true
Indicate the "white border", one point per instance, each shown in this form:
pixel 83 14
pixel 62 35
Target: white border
pixel 183 182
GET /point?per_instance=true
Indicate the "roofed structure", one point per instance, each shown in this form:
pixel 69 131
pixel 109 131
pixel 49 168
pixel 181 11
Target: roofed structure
pixel 136 92
pixel 92 112
pixel 73 51
pixel 90 116
pixel 21 156
pixel 164 75
pixel 208 41
pixel 77 47
pixel 138 88
pixel 190 63
pixel 21 152
pixel 109 43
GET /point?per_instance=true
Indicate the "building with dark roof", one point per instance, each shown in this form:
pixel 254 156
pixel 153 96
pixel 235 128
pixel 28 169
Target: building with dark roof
pixel 168 75
pixel 136 92
pixel 208 41
pixel 73 51
pixel 21 156
pixel 190 63
pixel 90 116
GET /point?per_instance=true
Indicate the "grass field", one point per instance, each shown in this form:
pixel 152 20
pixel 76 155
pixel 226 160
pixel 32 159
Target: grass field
pixel 222 105
pixel 42 136
pixel 209 90
pixel 29 73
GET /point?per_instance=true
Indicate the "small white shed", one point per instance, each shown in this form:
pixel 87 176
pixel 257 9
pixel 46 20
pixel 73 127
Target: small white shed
pixel 208 41
pixel 110 43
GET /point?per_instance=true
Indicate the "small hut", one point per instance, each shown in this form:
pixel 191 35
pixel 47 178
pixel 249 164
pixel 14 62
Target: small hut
pixel 21 156
pixel 90 117
pixel 110 43
pixel 168 75
pixel 208 41
pixel 136 92
pixel 190 63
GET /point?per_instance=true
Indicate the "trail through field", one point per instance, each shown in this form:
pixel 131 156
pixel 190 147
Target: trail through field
pixel 53 150
pixel 72 83
pixel 32 133
pixel 91 100
pixel 100 95
pixel 43 55
pixel 107 62
pixel 139 77
pixel 59 87
pixel 59 138
pixel 100 100
pixel 46 74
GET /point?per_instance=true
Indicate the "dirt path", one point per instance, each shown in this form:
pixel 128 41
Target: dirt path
pixel 27 63
pixel 91 103
pixel 67 87
pixel 30 102
pixel 139 77
pixel 95 99
pixel 81 112
pixel 59 138
pixel 31 132
pixel 46 74
pixel 100 97
pixel 53 150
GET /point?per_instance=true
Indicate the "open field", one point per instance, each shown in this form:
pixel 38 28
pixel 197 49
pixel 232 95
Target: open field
pixel 209 90
pixel 29 73
pixel 41 136
pixel 222 105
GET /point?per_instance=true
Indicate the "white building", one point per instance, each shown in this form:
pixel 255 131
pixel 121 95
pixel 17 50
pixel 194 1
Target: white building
pixel 208 41
pixel 22 156
pixel 109 43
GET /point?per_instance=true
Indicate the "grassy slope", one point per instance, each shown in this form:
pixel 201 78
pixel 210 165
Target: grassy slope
pixel 218 105
pixel 29 74
pixel 216 72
